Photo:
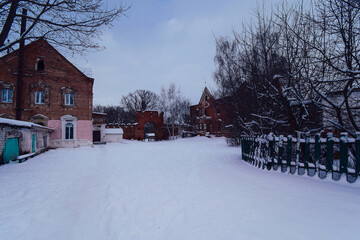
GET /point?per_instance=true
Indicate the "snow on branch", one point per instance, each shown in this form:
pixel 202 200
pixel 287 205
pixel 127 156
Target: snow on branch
pixel 268 118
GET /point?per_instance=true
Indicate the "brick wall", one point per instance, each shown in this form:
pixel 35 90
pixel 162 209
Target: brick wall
pixel 59 76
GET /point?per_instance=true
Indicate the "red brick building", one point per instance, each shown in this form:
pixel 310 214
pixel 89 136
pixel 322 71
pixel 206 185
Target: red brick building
pixel 54 93
pixel 210 116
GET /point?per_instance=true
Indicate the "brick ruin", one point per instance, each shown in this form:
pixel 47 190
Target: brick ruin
pixel 145 122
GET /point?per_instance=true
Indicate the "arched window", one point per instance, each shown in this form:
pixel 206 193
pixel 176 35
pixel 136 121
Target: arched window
pixel 69 131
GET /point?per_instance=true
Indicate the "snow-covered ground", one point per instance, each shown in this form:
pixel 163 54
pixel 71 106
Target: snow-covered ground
pixel 194 188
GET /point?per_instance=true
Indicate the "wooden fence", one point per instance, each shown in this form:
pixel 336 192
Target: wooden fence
pixel 305 154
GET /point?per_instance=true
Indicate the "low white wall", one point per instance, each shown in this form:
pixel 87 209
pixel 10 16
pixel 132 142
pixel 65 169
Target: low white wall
pixel 110 138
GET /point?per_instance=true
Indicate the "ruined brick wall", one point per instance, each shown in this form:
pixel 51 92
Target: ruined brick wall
pixel 128 130
pixel 142 118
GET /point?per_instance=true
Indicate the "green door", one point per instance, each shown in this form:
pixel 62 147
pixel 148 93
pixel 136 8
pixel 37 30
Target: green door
pixel 11 150
pixel 33 142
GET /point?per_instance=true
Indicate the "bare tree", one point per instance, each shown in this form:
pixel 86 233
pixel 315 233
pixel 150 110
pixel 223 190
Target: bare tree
pixel 329 57
pixel 266 67
pixel 140 100
pixel 115 114
pixel 175 108
pixel 72 24
pixel 339 23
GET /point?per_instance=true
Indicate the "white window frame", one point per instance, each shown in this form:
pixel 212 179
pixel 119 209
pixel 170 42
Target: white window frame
pixel 65 120
pixel 67 99
pixel 6 99
pixel 68 131
pixel 39 97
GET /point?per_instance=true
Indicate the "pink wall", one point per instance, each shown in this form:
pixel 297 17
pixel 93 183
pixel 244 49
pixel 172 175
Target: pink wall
pixel 84 129
pixel 56 134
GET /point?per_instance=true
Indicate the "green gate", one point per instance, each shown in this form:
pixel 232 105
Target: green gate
pixel 11 150
pixel 33 143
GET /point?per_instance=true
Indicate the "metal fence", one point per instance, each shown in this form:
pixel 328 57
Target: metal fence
pixel 305 154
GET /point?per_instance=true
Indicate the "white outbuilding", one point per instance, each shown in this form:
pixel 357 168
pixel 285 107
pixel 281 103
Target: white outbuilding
pixel 113 135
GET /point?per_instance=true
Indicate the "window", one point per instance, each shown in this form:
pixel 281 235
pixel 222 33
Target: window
pixel 68 127
pixel 69 131
pixel 39 97
pixel 69 99
pixel 217 110
pixel 40 66
pixel 6 95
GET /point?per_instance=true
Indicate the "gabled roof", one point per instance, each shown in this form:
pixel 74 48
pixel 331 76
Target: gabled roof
pixel 44 43
pixel 205 93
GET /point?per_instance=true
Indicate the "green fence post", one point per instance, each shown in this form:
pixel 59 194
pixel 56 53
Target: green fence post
pixel 317 152
pixel 357 153
pixel 252 149
pixel 281 150
pixel 242 147
pixel 298 143
pixel 344 152
pixel 272 148
pixel 288 150
pixel 329 152
pixel 307 151
pixel 264 154
pixel 246 149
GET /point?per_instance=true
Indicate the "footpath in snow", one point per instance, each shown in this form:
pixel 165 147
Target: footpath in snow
pixel 186 189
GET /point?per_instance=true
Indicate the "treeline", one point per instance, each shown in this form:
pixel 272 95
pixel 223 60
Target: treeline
pixel 170 101
pixel 294 69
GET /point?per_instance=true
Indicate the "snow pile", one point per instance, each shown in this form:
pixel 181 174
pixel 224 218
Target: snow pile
pixel 185 189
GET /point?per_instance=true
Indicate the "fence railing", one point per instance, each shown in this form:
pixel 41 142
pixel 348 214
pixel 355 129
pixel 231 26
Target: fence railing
pixel 305 154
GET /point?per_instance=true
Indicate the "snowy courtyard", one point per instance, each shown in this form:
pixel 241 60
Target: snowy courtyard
pixel 194 188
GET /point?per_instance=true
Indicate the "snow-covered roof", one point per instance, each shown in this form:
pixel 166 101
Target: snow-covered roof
pixel 12 122
pixel 114 131
pixel 99 113
pixel 150 134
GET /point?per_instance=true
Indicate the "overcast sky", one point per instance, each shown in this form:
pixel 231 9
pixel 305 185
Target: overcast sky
pixel 162 42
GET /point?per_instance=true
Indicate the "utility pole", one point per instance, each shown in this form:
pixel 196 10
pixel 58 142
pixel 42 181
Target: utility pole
pixel 19 83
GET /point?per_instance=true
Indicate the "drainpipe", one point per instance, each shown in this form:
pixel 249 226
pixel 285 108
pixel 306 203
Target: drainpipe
pixel 19 84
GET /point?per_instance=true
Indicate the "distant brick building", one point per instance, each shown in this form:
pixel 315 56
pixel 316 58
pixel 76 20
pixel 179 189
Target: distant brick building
pixel 210 115
pixel 54 93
